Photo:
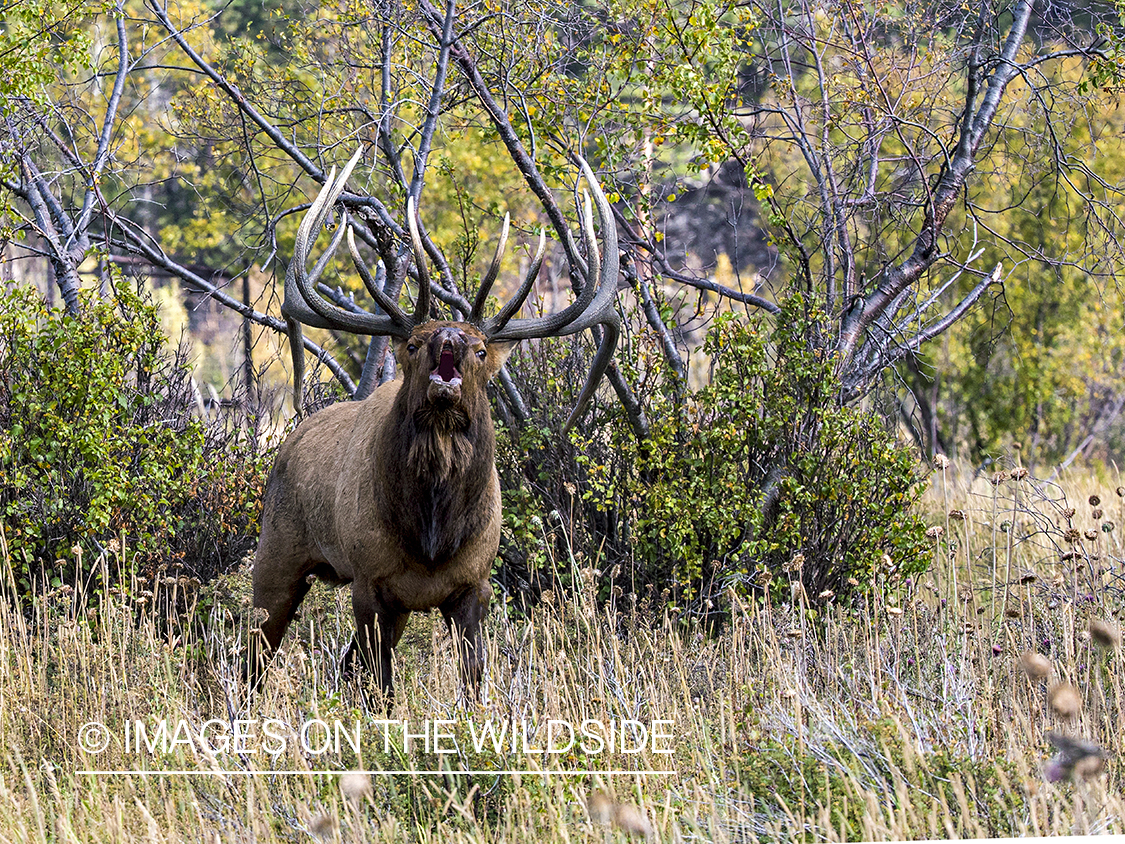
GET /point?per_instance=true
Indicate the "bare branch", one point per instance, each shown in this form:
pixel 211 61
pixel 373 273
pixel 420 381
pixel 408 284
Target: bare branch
pixel 950 183
pixel 136 241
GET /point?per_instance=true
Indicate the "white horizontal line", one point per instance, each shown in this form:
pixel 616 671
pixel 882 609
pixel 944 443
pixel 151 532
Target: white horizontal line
pixel 162 773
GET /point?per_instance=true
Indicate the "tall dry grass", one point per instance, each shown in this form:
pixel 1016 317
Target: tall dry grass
pixel 910 718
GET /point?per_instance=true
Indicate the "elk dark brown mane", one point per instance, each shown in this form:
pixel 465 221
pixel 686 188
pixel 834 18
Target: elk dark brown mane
pixel 397 494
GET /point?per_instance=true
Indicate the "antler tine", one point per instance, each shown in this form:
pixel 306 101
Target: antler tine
pixel 611 330
pixel 594 269
pixel 513 305
pixel 333 244
pixel 601 283
pixel 601 308
pixel 490 277
pixel 373 286
pixel 422 307
pixel 601 312
pixel 302 301
pixel 595 305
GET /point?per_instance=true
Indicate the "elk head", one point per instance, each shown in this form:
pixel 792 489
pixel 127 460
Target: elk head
pixel 594 305
pixel 398 494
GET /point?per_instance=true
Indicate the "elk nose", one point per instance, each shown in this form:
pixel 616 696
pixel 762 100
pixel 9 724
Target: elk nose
pixel 449 337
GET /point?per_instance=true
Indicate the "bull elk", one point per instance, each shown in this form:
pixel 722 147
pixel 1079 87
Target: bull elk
pixel 398 494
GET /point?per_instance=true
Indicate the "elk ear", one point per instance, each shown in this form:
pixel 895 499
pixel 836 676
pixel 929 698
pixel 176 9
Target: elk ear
pixel 498 353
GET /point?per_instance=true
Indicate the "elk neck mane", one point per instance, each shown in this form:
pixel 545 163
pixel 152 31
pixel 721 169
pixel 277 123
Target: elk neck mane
pixel 437 465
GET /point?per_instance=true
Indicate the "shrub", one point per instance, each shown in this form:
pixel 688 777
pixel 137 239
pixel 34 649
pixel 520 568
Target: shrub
pixel 99 451
pixel 759 478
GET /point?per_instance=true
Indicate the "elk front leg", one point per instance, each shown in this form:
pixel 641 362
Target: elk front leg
pixel 378 627
pixel 279 589
pixel 464 611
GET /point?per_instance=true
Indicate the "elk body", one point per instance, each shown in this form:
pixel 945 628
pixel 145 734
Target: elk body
pixel 397 494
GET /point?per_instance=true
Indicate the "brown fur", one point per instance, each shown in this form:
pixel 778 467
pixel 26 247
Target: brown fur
pixel 396 495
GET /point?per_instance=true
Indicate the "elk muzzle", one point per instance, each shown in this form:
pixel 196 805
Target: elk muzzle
pixel 446 351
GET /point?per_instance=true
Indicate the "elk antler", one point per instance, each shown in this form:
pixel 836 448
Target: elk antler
pixel 594 305
pixel 302 301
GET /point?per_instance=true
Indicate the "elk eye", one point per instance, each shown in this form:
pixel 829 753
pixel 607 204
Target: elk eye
pixel 482 354
pixel 412 348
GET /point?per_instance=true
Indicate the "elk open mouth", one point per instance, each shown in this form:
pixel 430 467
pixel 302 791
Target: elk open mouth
pixel 446 371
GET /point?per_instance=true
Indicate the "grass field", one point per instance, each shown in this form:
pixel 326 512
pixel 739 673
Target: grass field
pixel 912 718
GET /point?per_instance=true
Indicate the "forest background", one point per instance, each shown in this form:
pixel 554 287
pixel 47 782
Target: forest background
pixel 858 241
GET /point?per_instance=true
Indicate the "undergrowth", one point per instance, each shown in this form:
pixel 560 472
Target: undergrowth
pixel 100 439
pixel 913 719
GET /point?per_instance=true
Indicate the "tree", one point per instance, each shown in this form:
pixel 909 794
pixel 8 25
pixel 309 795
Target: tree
pixel 864 135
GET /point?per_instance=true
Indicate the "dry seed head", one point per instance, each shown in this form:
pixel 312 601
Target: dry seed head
pixel 957 515
pixel 999 478
pixel 1097 514
pixel 1019 474
pixel 795 564
pixel 1072 535
pixel 356 785
pixel 1091 535
pixel 631 820
pixel 827 595
pixel 941 462
pixel 1075 756
pixel 1017 445
pixel 599 806
pixel 1035 665
pixel 934 532
pixel 320 825
pixel 1121 492
pixel 1105 634
pixel 1065 700
pixel 1108 527
pixel 1028 577
pixel 1089 767
pixel 1068 513
pixel 1095 500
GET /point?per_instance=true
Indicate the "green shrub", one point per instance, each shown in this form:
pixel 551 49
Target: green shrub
pixel 99 451
pixel 757 479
